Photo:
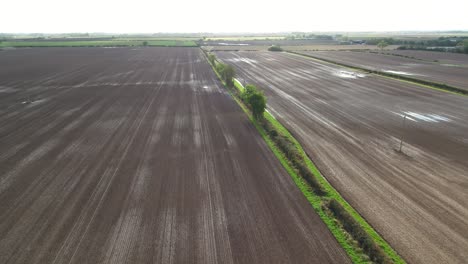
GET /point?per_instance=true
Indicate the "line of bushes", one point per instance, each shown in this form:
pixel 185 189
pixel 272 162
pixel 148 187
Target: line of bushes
pixel 441 86
pixel 294 156
pixel 375 253
pixel 296 160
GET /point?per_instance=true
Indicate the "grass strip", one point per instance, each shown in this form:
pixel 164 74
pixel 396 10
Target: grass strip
pixel 318 202
pixel 423 83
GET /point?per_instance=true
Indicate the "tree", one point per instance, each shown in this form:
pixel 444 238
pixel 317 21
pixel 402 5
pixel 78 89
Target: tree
pixel 255 99
pixel 211 59
pixel 382 45
pixel 228 74
pixel 145 43
pixel 258 104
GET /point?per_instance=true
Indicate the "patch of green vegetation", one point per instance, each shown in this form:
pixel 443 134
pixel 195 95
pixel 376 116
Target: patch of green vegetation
pixel 275 48
pixel 100 43
pixel 239 86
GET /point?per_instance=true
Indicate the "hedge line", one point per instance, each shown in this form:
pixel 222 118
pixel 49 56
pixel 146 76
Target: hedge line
pixel 294 156
pixel 375 253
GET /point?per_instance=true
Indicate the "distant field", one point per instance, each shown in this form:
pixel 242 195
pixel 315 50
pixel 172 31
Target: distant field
pixel 454 74
pixel 337 47
pixel 434 56
pixel 99 43
pixel 350 124
pixel 415 36
pixel 298 47
pixel 245 38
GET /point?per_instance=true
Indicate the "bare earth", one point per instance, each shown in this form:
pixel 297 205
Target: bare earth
pixel 304 47
pixel 351 125
pixel 139 156
pixel 440 57
pixel 451 74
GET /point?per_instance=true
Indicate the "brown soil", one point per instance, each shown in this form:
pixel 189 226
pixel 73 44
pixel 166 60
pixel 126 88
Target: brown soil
pixel 451 74
pixel 351 126
pixel 139 156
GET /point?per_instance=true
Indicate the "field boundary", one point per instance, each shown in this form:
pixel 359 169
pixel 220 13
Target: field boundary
pixel 423 83
pixel 320 202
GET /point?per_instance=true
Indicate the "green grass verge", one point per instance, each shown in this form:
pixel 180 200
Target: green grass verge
pixel 344 239
pixel 100 43
pixel 333 193
pixel 422 83
pixel 238 85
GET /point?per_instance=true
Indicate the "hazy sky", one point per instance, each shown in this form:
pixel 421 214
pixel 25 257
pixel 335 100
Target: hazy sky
pixel 54 16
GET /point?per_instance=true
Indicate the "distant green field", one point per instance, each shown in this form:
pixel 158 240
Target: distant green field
pixel 100 43
pixel 244 38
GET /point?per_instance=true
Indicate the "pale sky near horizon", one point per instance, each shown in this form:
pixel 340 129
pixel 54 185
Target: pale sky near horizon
pixel 144 16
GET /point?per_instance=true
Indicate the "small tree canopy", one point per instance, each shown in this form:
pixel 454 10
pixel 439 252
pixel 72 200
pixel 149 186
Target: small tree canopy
pixel 227 73
pixel 258 104
pixel 382 44
pixel 211 58
pixel 255 99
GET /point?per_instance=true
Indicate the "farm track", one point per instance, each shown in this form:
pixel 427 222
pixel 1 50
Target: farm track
pixel 139 156
pixel 450 71
pixel 351 124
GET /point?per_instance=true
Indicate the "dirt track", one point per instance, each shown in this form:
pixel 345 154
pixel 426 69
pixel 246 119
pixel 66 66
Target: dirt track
pixel 447 73
pixel 351 124
pixel 138 156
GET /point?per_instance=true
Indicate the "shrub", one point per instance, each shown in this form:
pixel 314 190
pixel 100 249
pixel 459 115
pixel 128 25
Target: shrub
pixel 375 253
pixel 227 73
pixel 255 99
pixel 145 43
pixel 211 59
pixel 275 48
pixel 310 179
pixel 292 154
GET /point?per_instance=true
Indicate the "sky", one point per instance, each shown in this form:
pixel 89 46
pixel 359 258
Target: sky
pixel 145 16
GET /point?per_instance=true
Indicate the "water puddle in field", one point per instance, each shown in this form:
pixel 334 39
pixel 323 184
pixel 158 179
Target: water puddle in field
pixel 246 60
pixel 399 72
pixel 232 44
pixel 433 118
pixel 349 75
pixel 452 65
